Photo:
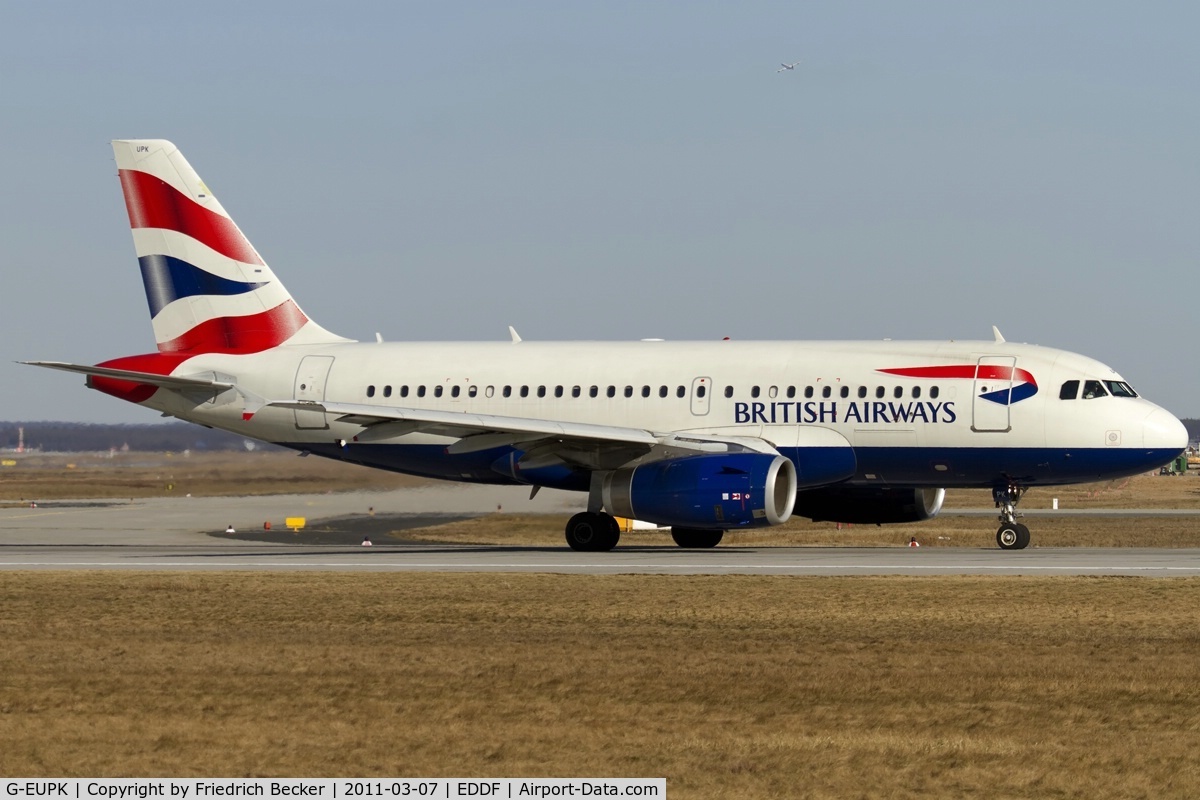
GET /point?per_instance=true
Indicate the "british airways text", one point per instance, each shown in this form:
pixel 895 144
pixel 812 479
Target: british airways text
pixel 829 412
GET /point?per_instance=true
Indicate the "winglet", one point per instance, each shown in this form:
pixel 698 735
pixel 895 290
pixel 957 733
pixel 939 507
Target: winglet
pixel 996 333
pixel 516 337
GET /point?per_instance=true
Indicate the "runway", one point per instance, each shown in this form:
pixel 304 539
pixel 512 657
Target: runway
pixel 174 534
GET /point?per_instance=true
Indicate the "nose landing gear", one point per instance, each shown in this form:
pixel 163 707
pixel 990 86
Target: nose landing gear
pixel 1012 534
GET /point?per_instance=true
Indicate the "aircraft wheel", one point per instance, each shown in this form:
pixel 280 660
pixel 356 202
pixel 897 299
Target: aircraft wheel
pixel 696 537
pixel 590 532
pixel 1023 541
pixel 1012 536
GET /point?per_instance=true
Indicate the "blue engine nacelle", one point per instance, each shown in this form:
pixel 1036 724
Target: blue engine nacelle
pixel 715 491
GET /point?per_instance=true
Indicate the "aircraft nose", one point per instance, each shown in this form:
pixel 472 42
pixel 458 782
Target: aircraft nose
pixel 1162 431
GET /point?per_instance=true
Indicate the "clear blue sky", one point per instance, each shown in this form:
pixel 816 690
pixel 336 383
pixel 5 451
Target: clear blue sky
pixel 620 171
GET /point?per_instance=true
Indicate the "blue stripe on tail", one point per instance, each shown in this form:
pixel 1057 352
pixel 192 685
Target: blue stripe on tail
pixel 167 279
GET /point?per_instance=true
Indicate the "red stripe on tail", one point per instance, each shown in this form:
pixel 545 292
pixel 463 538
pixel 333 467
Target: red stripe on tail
pixel 240 335
pixel 154 203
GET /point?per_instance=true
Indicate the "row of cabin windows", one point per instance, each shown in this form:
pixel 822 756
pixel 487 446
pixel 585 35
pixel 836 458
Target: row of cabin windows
pixel 647 391
pixel 540 391
pixel 842 391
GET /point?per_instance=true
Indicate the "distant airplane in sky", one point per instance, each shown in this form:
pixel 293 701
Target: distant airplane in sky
pixel 701 437
pixel 783 66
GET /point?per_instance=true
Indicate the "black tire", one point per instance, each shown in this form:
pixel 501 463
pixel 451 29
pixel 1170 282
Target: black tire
pixel 1023 542
pixel 696 537
pixel 1012 536
pixel 590 532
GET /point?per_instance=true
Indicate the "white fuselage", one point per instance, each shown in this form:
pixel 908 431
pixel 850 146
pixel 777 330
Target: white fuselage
pixel 904 429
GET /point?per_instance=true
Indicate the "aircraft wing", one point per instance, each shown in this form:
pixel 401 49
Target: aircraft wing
pixel 580 443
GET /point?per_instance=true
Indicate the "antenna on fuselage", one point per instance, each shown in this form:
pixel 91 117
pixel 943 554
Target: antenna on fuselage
pixel 996 333
pixel 516 337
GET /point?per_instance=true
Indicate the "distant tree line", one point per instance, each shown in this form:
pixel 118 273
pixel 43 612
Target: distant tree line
pixel 75 437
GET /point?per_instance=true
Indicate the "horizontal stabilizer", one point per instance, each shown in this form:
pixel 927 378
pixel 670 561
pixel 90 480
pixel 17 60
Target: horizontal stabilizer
pixel 148 378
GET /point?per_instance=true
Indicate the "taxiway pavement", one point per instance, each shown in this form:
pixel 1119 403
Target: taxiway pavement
pixel 173 534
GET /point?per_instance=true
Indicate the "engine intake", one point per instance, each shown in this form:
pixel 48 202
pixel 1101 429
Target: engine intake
pixel 713 491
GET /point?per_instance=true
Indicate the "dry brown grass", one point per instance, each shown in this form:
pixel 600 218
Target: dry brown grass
pixel 729 686
pixel 84 475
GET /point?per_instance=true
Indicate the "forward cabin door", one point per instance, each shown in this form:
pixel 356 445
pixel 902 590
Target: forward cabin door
pixel 310 385
pixel 993 394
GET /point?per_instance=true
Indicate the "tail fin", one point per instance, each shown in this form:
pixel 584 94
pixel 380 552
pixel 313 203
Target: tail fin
pixel 209 290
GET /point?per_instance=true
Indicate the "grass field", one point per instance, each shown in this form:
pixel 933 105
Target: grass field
pixel 730 687
pixel 36 476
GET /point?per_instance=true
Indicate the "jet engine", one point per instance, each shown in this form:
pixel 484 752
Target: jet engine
pixel 716 491
pixel 869 505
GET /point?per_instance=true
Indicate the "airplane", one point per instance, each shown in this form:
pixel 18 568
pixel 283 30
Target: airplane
pixel 783 67
pixel 700 437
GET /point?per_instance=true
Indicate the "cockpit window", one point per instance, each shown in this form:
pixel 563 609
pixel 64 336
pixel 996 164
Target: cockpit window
pixel 1120 389
pixel 1093 389
pixel 1069 390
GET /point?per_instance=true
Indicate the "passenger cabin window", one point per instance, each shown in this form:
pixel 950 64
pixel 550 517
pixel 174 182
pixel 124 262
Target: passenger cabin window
pixel 612 391
pixel 541 391
pixel 437 391
pixel 700 391
pixel 629 391
pixel 826 391
pixel 662 391
pixel 454 391
pixel 1093 389
pixel 594 391
pixel 729 391
pixel 387 391
pixel 1069 391
pixel 754 391
pixel 916 392
pixel 845 391
pixel 473 390
pixel 862 391
pixel 680 391
pixel 791 392
pixel 524 391
pixel 934 392
pixel 558 390
pixel 645 391
pixel 507 392
pixel 404 390
pixel 879 391
pixel 370 391
pixel 421 390
pixel 808 391
pixel 898 392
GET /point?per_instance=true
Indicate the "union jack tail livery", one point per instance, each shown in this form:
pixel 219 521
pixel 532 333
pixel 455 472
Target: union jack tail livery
pixel 208 289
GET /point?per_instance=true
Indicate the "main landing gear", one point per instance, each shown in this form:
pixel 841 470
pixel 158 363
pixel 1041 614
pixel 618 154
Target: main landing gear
pixel 593 532
pixel 1012 534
